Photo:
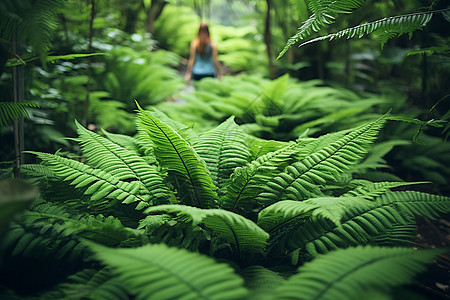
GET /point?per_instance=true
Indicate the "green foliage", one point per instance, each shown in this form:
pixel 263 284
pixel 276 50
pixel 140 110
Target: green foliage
pixel 159 81
pixel 282 109
pixel 170 273
pixel 355 273
pixel 10 111
pixel 280 204
pixel 177 156
pixel 324 13
pixel 384 29
pixel 15 196
pixel 30 22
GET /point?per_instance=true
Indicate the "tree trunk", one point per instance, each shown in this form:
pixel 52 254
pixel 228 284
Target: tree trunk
pixel 18 95
pixel 153 13
pixel 85 117
pixel 268 39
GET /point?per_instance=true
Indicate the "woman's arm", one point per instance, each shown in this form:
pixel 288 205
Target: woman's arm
pixel 216 61
pixel 191 61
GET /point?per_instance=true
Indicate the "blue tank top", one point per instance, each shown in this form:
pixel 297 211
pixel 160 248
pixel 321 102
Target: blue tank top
pixel 204 64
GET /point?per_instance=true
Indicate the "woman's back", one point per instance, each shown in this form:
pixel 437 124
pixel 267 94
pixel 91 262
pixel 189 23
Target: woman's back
pixel 204 63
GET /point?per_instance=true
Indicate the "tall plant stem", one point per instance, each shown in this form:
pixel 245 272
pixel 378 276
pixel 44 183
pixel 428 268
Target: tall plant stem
pixel 18 95
pixel 268 39
pixel 85 117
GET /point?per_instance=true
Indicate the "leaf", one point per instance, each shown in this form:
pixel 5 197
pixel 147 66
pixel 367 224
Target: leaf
pixel 385 28
pixel 176 155
pixel 13 111
pixel 159 272
pixel 240 232
pixel 223 148
pixel 354 272
pixel 302 179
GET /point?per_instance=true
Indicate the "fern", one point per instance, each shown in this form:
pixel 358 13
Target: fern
pixel 261 281
pixel 177 156
pixel 299 180
pixel 371 190
pixel 223 149
pixel 174 232
pixel 33 21
pixel 122 164
pixel 240 232
pixel 324 13
pixel 97 183
pixel 13 111
pixel 89 284
pixel 247 182
pixel 345 222
pixel 160 272
pixel 41 233
pixel 385 28
pixel 355 273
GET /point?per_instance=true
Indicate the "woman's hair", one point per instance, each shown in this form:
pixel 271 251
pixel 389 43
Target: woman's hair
pixel 203 38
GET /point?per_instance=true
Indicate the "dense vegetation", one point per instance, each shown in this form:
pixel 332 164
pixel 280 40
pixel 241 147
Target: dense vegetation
pixel 306 177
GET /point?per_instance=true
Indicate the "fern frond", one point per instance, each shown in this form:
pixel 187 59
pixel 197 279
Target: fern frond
pixel 40 233
pixel 372 190
pixel 122 140
pixel 97 183
pixel 34 22
pixel 12 111
pixel 360 224
pixel 160 272
pixel 247 182
pixel 354 272
pixel 223 148
pixel 176 155
pixel 261 282
pixel 240 232
pixel 108 231
pixel 123 164
pixel 324 14
pixel 90 284
pixel 397 235
pixel 173 232
pixel 302 179
pixel 385 28
pixel 412 203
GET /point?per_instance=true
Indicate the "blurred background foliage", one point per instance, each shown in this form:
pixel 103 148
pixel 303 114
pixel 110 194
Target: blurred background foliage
pixel 143 46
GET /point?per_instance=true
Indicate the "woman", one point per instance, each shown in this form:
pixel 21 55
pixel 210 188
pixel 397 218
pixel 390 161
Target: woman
pixel 203 57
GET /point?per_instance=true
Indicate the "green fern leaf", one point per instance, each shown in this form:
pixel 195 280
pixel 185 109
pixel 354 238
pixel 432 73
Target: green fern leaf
pixel 40 233
pixel 412 203
pixel 240 232
pixel 12 111
pixel 299 180
pixel 223 149
pixel 351 273
pixel 360 224
pixel 372 190
pixel 247 182
pixel 159 272
pixel 123 164
pixel 176 155
pixel 324 14
pixel 174 232
pixel 97 183
pixel 385 28
pixel 90 284
pixel 107 231
pixel 261 282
